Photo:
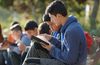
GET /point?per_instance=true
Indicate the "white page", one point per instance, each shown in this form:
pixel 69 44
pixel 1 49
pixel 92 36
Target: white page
pixel 43 38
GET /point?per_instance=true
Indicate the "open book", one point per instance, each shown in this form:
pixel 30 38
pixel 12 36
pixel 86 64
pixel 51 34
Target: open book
pixel 40 39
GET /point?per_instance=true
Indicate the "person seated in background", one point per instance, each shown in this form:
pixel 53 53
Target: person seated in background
pixel 44 28
pixel 10 38
pixel 21 40
pixel 54 28
pixel 31 29
pixel 1 36
pixel 4 59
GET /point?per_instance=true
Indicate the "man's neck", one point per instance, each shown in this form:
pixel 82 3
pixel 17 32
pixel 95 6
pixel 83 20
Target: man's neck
pixel 64 19
pixel 58 27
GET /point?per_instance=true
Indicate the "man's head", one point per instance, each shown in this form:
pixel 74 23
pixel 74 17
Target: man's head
pixel 16 30
pixel 52 25
pixel 44 28
pixel 31 28
pixel 57 11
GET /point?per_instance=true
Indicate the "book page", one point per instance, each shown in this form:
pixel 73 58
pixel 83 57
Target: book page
pixel 43 38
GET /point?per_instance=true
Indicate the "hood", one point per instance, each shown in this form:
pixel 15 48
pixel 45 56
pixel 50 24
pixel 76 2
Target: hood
pixel 70 20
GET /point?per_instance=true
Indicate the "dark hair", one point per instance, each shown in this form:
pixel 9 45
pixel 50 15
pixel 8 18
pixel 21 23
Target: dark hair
pixel 31 25
pixel 15 22
pixel 1 36
pixel 57 7
pixel 46 18
pixel 15 26
pixel 44 28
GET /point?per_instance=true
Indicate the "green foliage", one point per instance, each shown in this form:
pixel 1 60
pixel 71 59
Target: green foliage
pixel 6 3
pixel 36 8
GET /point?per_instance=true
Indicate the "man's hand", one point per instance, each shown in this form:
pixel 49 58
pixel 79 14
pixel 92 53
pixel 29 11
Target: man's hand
pixel 21 47
pixel 48 47
pixel 46 38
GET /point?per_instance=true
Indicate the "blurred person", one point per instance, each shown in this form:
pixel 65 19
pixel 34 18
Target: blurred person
pixel 18 35
pixel 4 58
pixel 21 41
pixel 1 36
pixel 44 28
pixel 10 38
pixel 30 30
pixel 54 28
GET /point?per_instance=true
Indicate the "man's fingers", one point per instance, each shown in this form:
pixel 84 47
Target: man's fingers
pixel 43 45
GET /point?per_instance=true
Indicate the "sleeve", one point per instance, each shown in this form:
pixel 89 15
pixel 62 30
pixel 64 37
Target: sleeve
pixel 56 43
pixel 70 52
pixel 25 40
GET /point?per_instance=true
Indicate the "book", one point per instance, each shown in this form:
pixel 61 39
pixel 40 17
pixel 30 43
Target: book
pixel 40 39
pixel 32 60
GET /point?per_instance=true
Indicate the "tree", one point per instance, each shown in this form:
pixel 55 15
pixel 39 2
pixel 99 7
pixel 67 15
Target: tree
pixel 37 7
pixel 94 15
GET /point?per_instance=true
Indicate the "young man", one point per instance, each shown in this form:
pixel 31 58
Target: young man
pixel 73 49
pixel 31 28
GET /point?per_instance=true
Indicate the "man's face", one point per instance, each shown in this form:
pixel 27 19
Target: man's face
pixel 55 19
pixel 16 34
pixel 32 32
pixel 53 26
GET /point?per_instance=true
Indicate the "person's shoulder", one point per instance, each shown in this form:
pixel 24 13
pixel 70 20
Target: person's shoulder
pixel 74 28
pixel 24 36
pixel 25 39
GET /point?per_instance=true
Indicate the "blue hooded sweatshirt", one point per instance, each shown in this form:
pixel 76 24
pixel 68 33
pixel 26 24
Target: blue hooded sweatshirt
pixel 57 34
pixel 72 48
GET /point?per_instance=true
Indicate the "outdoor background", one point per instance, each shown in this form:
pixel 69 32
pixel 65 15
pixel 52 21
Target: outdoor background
pixel 86 11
